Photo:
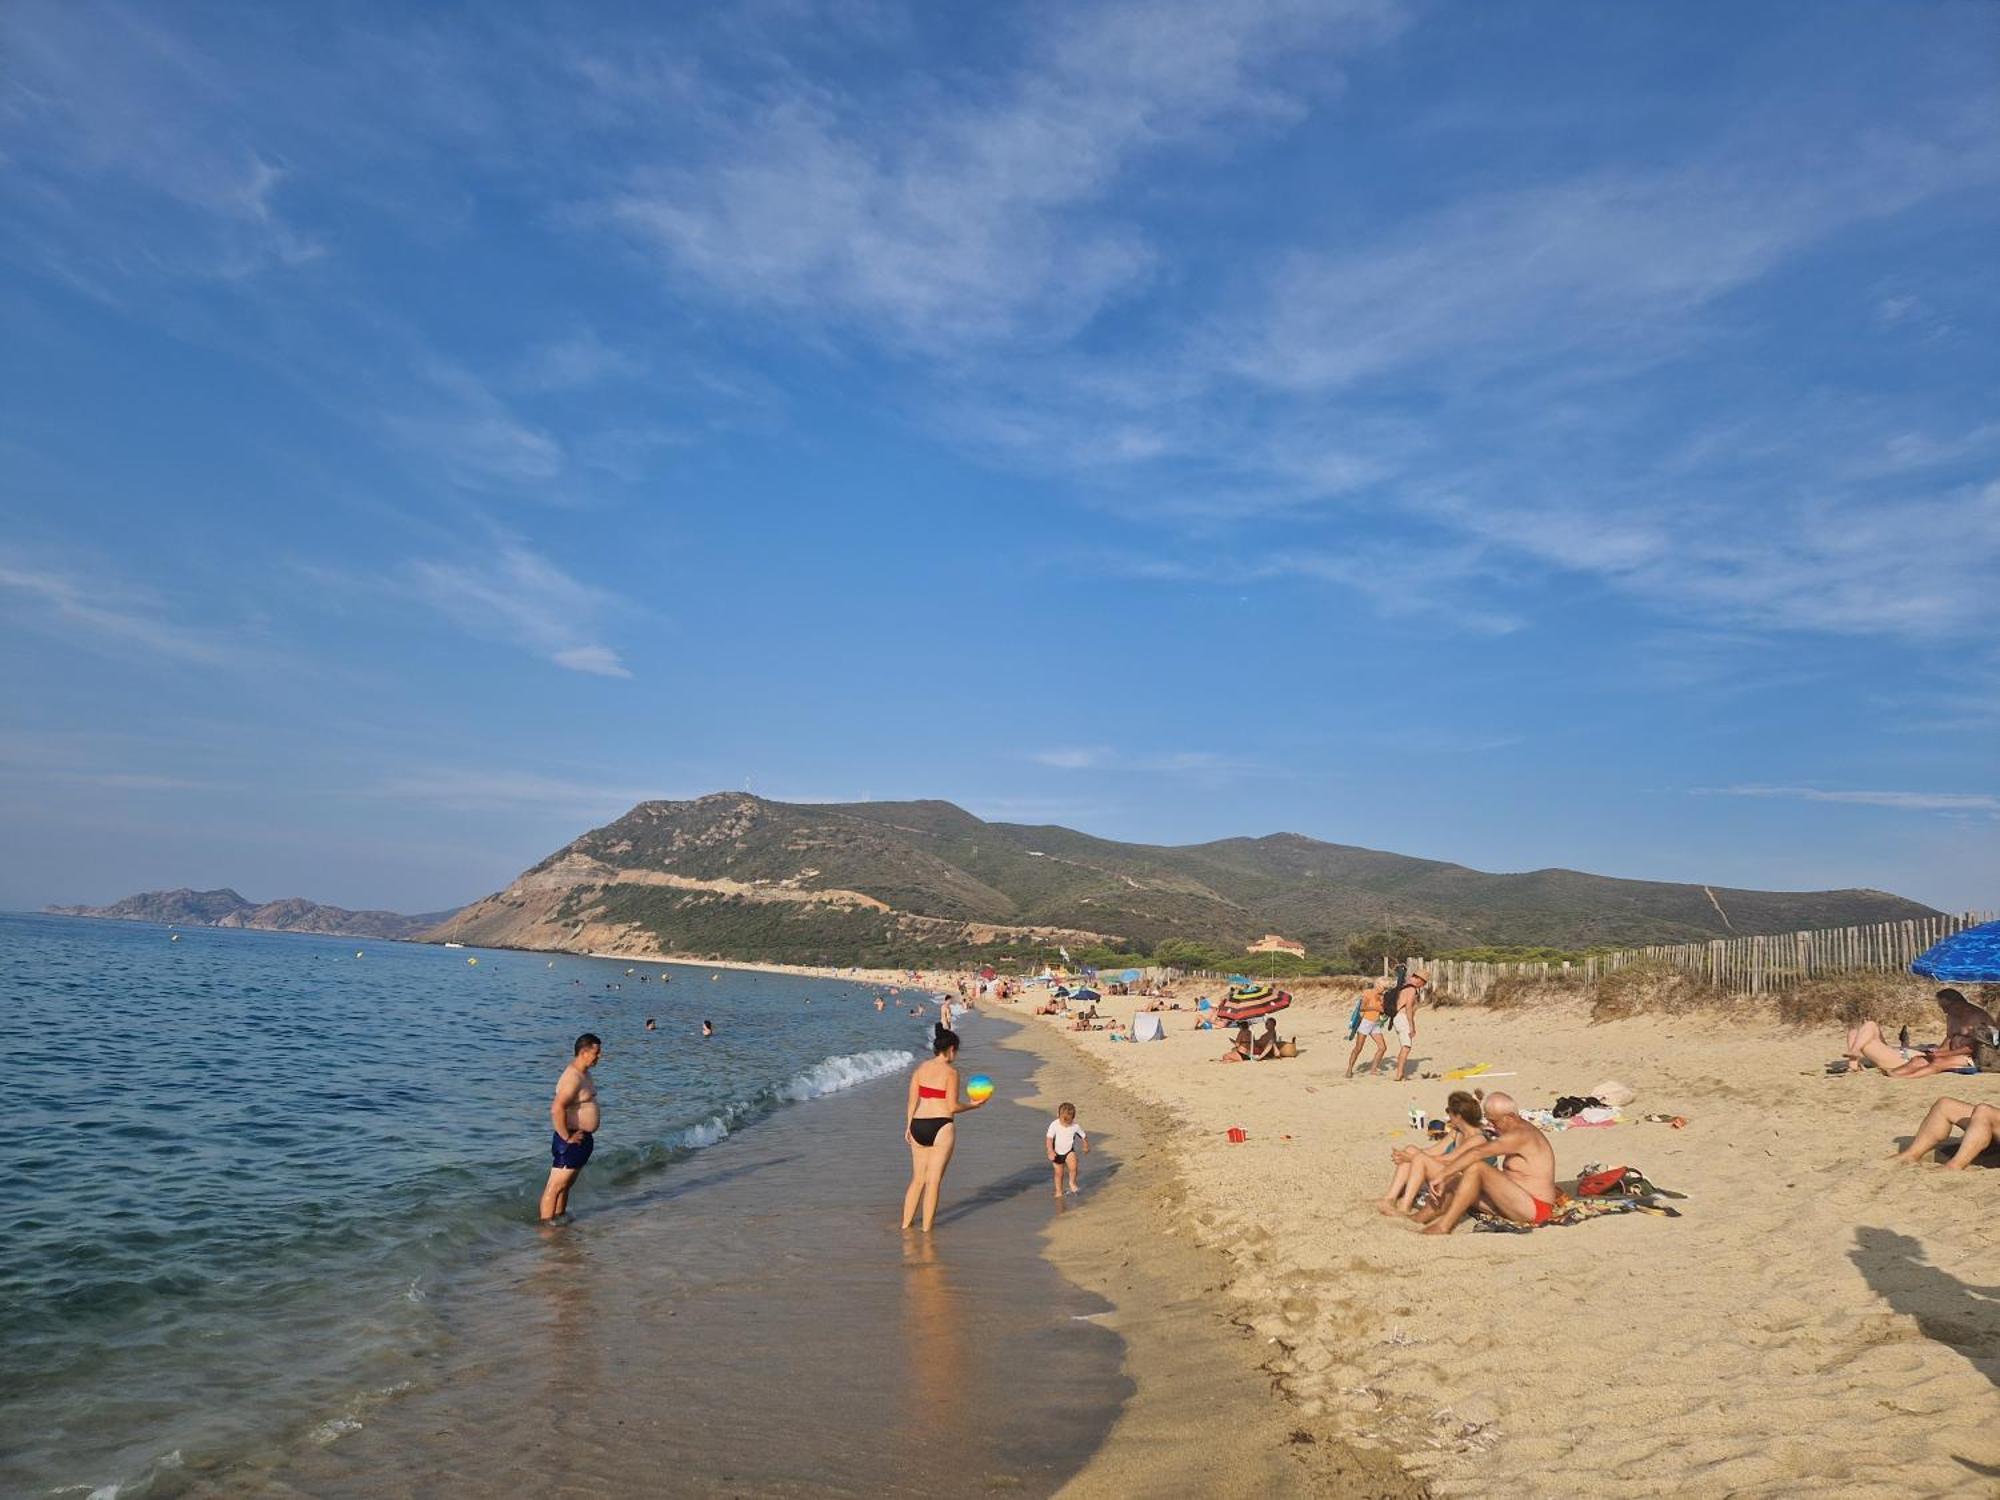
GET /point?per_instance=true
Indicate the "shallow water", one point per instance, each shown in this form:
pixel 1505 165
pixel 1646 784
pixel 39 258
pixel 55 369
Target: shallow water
pixel 270 1176
pixel 758 1325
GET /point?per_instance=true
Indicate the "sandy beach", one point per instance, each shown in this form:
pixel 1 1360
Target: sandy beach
pixel 1819 1320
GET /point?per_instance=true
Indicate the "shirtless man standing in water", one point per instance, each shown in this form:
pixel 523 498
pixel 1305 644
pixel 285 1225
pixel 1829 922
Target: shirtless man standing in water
pixel 574 1116
pixel 1522 1188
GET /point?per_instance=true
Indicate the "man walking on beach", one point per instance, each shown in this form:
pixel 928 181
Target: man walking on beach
pixel 574 1115
pixel 1404 1000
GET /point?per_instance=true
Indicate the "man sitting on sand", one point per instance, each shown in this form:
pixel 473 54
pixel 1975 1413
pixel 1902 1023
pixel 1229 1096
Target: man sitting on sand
pixel 1522 1188
pixel 1963 1023
pixel 1981 1123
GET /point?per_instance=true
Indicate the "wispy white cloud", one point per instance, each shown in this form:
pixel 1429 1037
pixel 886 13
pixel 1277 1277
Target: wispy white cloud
pixel 104 612
pixel 479 789
pixel 951 216
pixel 1166 762
pixel 578 360
pixel 456 421
pixel 1073 757
pixel 107 94
pixel 520 597
pixel 1982 802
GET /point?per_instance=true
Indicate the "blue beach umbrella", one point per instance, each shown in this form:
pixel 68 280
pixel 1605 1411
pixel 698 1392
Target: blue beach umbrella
pixel 1240 979
pixel 1968 957
pixel 1129 976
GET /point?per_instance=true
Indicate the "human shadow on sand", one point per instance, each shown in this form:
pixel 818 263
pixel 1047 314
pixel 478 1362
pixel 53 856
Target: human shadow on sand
pixel 1027 1179
pixel 1955 1313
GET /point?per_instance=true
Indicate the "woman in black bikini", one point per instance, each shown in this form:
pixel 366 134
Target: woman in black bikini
pixel 934 1099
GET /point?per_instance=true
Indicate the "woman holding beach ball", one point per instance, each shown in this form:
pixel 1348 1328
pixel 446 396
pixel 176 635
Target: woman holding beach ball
pixel 935 1098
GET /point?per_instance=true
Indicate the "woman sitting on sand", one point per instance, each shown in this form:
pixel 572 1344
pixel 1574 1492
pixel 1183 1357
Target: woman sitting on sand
pixel 1963 1023
pixel 1243 1048
pixel 1465 1125
pixel 1980 1122
pixel 933 1101
pixel 1265 1048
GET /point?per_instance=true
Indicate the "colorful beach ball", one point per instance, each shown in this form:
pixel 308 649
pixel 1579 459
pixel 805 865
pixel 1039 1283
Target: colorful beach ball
pixel 979 1088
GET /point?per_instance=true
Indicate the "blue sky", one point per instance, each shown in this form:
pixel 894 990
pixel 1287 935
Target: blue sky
pixel 1523 435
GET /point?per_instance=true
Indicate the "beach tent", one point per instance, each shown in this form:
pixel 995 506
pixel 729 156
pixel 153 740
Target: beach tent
pixel 1146 1027
pixel 1968 957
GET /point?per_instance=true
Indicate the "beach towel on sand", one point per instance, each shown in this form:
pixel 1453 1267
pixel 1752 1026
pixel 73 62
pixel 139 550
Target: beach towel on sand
pixel 1572 1211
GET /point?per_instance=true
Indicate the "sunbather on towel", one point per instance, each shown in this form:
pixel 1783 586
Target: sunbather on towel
pixel 1963 1021
pixel 1980 1122
pixel 1522 1188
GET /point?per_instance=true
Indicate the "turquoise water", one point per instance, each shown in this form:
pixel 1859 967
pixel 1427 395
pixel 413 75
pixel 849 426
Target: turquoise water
pixel 248 1160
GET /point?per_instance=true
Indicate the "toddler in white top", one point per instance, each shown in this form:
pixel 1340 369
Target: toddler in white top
pixel 1066 1142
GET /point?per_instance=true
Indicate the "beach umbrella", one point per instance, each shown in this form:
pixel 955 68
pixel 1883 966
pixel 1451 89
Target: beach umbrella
pixel 985 973
pixel 1083 994
pixel 1968 957
pixel 1242 979
pixel 1130 976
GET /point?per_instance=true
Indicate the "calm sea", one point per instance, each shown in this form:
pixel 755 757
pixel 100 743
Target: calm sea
pixel 247 1164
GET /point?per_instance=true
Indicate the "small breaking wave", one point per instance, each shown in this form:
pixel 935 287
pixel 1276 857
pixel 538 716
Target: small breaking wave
pixel 833 1074
pixel 830 1075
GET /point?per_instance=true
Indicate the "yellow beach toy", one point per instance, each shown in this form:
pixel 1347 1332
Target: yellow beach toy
pixel 1472 1072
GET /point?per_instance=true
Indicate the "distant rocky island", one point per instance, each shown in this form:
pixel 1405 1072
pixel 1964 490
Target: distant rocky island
pixel 736 876
pixel 225 908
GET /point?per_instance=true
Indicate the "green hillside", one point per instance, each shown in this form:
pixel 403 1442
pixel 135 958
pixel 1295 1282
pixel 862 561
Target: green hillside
pixel 735 875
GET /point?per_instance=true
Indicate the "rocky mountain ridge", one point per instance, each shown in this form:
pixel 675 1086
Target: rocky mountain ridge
pixel 226 908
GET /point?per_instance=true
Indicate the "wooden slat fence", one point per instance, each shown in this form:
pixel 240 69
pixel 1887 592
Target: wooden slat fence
pixel 1741 966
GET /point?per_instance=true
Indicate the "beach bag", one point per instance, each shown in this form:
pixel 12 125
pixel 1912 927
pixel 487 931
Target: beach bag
pixel 1986 1050
pixel 1389 1003
pixel 1601 1184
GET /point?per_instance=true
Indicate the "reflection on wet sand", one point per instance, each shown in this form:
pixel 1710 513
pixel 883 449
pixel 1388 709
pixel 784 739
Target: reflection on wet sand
pixel 563 1284
pixel 933 1336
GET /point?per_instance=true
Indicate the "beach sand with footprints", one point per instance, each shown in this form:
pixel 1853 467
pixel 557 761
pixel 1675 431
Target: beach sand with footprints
pixel 1818 1321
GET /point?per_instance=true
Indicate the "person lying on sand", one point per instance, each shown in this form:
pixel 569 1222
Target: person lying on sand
pixel 1243 1048
pixel 1980 1122
pixel 1522 1188
pixel 1963 1022
pixel 1465 1122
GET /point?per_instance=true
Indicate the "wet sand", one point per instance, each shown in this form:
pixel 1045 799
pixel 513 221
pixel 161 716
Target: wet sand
pixel 1206 1416
pixel 759 1326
